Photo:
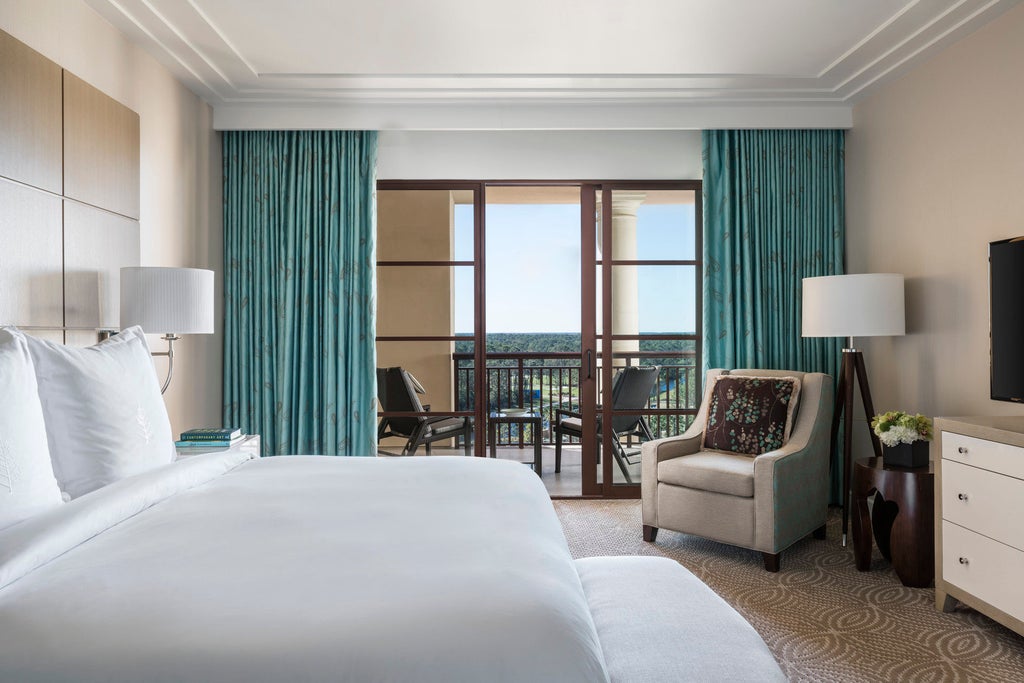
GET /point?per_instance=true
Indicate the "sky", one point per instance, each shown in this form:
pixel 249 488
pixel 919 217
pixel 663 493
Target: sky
pixel 533 268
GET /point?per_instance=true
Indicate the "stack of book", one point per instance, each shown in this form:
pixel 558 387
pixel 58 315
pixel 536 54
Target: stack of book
pixel 209 437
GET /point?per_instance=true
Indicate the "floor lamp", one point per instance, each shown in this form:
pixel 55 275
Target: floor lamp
pixel 851 306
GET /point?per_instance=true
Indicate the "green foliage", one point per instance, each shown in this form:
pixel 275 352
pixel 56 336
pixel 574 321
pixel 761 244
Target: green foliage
pixel 898 427
pixel 556 342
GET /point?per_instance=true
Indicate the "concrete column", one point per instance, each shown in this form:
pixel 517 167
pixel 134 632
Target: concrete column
pixel 625 292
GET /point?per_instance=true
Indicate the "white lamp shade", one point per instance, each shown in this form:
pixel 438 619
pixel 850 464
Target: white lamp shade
pixel 869 305
pixel 167 300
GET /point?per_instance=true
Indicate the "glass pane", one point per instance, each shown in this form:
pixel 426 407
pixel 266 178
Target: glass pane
pixel 533 262
pixel 654 224
pixel 463 299
pixel 650 300
pixel 654 300
pixel 424 301
pixel 444 372
pixel 464 227
pixel 534 320
pixel 424 225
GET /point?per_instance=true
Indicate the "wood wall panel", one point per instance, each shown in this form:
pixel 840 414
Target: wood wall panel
pixel 97 244
pixel 79 338
pixel 30 116
pixel 31 259
pixel 56 336
pixel 61 258
pixel 101 149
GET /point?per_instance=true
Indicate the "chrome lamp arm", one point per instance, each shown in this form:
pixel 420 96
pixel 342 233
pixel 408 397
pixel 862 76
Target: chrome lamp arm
pixel 170 339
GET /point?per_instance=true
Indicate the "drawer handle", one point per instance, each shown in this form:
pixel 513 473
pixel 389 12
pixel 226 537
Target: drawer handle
pixel 964 560
pixel 962 450
pixel 962 496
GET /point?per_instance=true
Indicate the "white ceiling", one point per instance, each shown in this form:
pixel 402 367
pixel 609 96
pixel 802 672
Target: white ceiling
pixel 479 64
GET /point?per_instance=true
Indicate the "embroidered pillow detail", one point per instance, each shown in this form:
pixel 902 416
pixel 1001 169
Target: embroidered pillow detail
pixel 750 415
pixel 105 417
pixel 27 484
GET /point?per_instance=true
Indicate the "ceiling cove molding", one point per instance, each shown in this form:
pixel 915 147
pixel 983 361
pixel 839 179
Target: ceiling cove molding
pixel 880 63
pixel 414 116
pixel 207 51
pixel 148 27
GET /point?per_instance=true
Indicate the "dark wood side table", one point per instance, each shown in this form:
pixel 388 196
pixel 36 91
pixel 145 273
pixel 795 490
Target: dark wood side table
pixel 535 419
pixel 902 521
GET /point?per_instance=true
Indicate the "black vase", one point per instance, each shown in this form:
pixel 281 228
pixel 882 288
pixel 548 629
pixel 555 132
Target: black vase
pixel 906 454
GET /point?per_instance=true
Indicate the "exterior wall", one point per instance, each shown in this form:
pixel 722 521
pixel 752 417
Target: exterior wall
pixel 935 164
pixel 180 217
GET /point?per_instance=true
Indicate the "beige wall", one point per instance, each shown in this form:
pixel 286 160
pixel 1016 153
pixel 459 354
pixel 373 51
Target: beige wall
pixel 935 171
pixel 180 167
pixel 544 154
pixel 416 225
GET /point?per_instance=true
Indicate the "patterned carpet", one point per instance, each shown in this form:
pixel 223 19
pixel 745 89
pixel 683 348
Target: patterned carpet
pixel 823 620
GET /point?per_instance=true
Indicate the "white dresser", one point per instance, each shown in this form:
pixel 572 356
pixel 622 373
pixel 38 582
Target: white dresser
pixel 979 516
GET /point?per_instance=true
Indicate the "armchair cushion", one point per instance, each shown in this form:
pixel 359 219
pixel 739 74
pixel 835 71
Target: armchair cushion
pixel 725 473
pixel 750 415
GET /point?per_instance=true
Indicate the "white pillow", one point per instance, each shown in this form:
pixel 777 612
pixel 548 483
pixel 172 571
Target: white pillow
pixel 105 417
pixel 27 486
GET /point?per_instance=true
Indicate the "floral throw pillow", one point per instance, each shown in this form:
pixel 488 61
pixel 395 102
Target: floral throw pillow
pixel 750 415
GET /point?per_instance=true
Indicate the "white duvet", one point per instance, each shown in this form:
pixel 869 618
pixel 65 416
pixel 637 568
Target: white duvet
pixel 220 568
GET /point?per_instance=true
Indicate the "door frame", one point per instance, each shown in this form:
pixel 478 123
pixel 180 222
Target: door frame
pixel 606 488
pixel 589 398
pixel 478 189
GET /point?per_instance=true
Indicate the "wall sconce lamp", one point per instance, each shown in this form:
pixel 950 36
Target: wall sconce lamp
pixel 172 301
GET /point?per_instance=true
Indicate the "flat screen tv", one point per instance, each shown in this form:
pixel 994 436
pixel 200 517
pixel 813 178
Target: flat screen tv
pixel 1006 291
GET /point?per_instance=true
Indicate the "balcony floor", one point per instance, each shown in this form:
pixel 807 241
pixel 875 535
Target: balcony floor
pixel 568 482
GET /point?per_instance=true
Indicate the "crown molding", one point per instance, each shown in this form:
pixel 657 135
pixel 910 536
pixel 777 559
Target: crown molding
pixel 201 53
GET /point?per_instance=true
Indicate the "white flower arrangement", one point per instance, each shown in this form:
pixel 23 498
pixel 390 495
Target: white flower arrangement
pixel 896 427
pixel 897 435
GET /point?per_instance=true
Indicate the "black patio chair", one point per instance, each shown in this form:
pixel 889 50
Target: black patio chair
pixel 396 392
pixel 631 390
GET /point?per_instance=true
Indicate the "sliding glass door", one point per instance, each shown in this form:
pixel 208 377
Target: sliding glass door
pixel 528 299
pixel 647 274
pixel 535 327
pixel 428 310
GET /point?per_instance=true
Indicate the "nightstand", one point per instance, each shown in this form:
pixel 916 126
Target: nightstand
pixel 902 518
pixel 250 443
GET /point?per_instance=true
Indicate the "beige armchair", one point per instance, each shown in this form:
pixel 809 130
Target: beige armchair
pixel 765 502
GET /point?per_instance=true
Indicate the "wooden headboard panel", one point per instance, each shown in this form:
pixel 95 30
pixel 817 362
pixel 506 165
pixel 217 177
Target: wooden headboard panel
pixel 69 198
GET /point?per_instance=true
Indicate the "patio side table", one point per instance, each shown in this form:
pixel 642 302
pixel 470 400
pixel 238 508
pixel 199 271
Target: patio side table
pixel 523 419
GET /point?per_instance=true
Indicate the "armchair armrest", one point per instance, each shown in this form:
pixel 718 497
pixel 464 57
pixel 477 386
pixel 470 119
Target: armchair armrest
pixel 687 443
pixel 654 452
pixel 791 489
pixel 767 459
pixel 562 412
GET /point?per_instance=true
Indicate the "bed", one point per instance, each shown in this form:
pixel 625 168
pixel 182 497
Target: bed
pixel 226 567
pixel 355 568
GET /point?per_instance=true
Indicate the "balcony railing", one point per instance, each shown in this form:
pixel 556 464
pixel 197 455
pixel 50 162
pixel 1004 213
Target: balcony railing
pixel 544 382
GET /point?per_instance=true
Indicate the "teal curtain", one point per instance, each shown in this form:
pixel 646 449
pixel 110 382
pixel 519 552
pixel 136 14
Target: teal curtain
pixel 774 208
pixel 299 289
